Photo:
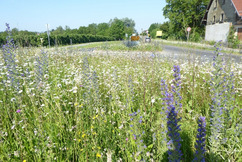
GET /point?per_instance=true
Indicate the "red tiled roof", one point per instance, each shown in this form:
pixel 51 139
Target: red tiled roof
pixel 238 6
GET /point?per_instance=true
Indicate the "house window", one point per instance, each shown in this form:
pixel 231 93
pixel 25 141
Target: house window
pixel 214 19
pixel 223 2
pixel 222 17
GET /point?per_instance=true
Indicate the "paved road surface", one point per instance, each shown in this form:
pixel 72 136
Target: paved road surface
pixel 188 53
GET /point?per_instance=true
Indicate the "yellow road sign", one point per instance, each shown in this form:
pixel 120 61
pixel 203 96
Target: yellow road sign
pixel 159 33
pixel 134 38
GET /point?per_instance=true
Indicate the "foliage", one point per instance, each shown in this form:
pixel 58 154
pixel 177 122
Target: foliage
pixel 117 29
pixel 35 40
pixel 233 40
pixel 153 27
pixel 129 25
pixel 102 29
pixel 184 13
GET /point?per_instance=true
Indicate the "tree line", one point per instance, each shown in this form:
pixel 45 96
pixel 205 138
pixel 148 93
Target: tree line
pixel 182 14
pixel 115 29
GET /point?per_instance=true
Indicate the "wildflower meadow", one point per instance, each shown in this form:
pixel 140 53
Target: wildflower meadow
pixel 114 103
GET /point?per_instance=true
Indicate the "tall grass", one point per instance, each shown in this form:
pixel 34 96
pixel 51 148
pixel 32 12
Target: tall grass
pixel 102 105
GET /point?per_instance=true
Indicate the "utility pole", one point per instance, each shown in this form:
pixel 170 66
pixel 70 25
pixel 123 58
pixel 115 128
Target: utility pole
pixel 48 33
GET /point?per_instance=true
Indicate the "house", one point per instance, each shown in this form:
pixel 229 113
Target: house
pixel 220 16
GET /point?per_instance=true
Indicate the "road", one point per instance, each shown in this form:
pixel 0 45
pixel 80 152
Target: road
pixel 203 55
pixel 175 52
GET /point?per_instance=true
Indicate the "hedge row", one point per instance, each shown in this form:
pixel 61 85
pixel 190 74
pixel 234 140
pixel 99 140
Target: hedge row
pixel 35 40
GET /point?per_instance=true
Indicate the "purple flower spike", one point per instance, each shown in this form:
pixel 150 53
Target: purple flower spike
pixel 172 99
pixel 200 142
pixel 18 111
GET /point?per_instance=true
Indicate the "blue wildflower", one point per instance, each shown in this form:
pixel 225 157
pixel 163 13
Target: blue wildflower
pixel 200 142
pixel 172 100
pixel 10 60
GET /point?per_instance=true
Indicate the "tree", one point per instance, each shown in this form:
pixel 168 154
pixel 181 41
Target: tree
pixel 129 25
pixel 184 13
pixel 102 29
pixel 58 30
pixel 117 28
pixel 153 27
pixel 82 30
pixel 15 31
pixel 92 29
pixel 67 29
pixel 165 30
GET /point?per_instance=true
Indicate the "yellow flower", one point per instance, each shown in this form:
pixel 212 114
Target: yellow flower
pixel 95 117
pixel 81 150
pixel 105 121
pixel 98 155
pixel 81 105
pixel 83 135
pixel 98 148
pixel 92 127
pixel 79 140
pixel 94 133
pixel 24 160
pixel 76 104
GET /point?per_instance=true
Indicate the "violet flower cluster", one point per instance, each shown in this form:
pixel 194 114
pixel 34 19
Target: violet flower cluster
pixel 86 81
pixel 172 101
pixel 136 132
pixel 218 102
pixel 176 88
pixel 222 94
pixel 200 142
pixel 10 60
pixel 42 66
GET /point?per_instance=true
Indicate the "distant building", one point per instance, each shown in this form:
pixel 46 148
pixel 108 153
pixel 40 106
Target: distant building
pixel 220 16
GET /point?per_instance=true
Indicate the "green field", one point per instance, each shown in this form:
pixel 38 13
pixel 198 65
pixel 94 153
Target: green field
pixel 105 101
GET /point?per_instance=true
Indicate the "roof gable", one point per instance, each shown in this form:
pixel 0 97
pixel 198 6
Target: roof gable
pixel 238 6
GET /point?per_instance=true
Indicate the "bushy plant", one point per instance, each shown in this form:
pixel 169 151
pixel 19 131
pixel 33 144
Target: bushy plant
pixel 233 40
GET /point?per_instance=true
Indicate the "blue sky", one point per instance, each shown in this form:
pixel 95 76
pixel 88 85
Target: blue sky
pixel 33 15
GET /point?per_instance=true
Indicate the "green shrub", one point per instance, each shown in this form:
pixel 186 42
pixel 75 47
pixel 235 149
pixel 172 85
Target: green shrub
pixel 233 40
pixel 34 40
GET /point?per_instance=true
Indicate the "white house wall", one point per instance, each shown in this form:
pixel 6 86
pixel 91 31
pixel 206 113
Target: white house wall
pixel 217 32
